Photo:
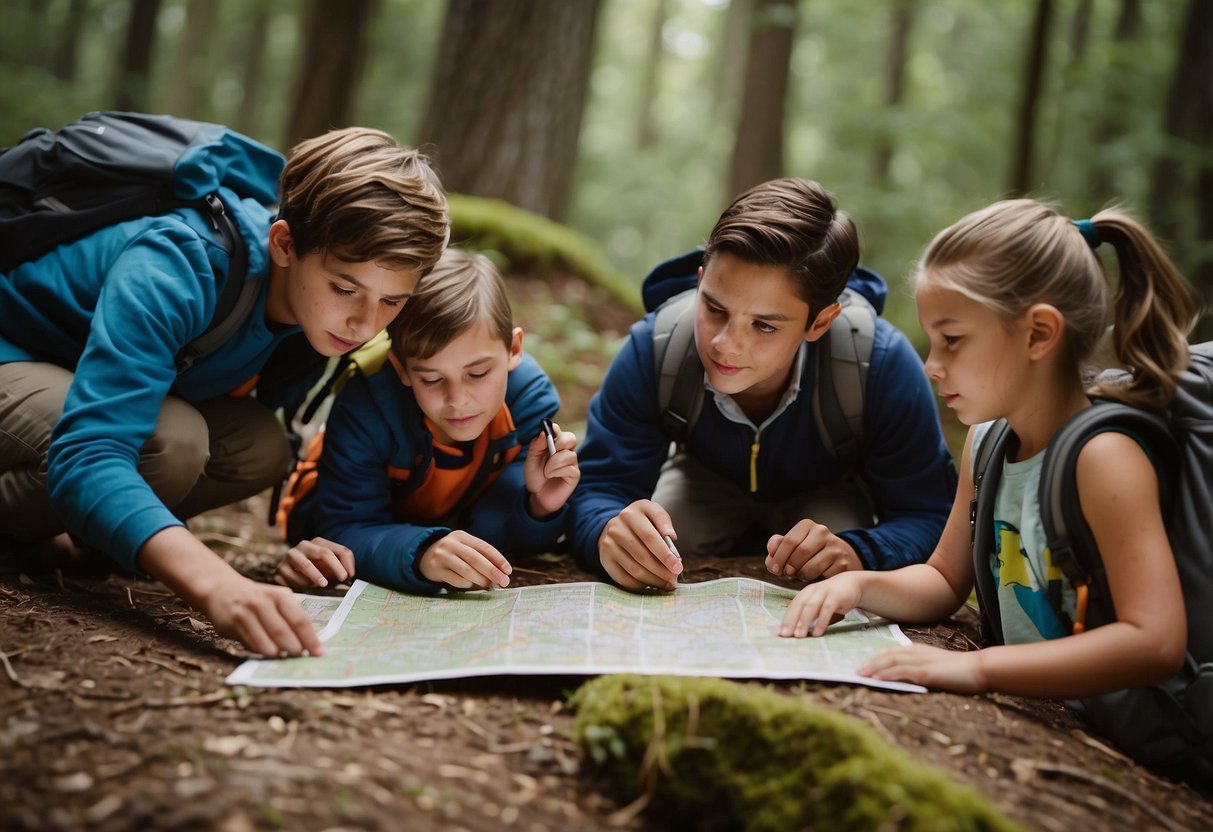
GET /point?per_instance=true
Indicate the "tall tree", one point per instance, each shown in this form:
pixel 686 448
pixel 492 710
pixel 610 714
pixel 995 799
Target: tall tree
pixel 507 97
pixel 1182 198
pixel 730 65
pixel 190 86
pixel 758 148
pixel 254 70
pixel 331 60
pixel 66 53
pixel 650 78
pixel 1111 123
pixel 134 69
pixel 894 87
pixel 1024 150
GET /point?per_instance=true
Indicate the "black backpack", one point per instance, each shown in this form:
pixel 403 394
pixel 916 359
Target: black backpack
pixel 842 361
pixel 1167 726
pixel 109 167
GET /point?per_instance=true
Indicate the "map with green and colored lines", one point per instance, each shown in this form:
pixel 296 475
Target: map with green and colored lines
pixel 724 627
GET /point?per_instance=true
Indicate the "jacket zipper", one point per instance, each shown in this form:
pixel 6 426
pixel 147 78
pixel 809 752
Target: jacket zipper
pixel 754 462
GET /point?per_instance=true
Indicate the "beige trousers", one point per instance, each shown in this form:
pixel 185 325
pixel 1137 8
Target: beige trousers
pixel 714 517
pixel 200 456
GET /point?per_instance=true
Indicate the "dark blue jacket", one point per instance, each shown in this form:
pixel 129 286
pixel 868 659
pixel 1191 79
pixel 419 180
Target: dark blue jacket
pixel 376 423
pixel 905 463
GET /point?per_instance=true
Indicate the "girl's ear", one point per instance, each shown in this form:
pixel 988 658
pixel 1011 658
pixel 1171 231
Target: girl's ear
pixel 281 245
pixel 1046 326
pixel 515 349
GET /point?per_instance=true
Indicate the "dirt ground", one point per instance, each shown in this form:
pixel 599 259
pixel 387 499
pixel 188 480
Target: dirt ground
pixel 114 716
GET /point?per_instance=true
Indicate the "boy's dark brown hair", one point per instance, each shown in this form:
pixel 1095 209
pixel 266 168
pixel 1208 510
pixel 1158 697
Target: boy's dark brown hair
pixel 359 195
pixel 792 224
pixel 463 290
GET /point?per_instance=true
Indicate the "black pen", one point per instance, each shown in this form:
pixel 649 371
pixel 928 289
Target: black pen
pixel 550 434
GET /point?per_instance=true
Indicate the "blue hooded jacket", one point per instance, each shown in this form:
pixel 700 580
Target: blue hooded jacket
pixel 904 460
pixel 116 307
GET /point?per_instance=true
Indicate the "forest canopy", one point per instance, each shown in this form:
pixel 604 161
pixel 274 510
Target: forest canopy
pixel 634 121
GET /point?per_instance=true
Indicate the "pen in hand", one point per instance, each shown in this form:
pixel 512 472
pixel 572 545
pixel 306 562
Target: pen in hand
pixel 549 433
pixel 669 542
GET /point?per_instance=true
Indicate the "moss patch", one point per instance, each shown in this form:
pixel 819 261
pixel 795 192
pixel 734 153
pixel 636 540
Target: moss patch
pixel 745 756
pixel 530 242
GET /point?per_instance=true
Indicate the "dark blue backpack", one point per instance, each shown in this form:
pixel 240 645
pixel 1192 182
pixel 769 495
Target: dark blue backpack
pixel 1167 726
pixel 109 167
pixel 843 357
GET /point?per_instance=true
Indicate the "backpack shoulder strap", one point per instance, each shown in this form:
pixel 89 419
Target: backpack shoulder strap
pixel 988 457
pixel 678 368
pixel 239 295
pixel 1069 537
pixel 841 378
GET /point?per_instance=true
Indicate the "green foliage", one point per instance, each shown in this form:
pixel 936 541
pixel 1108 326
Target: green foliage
pixel 710 750
pixel 528 241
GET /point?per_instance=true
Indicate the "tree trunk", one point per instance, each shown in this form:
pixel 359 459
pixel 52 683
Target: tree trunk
pixel 1034 68
pixel 331 60
pixel 1080 32
pixel 1182 199
pixel 1111 123
pixel 254 72
pixel 131 90
pixel 758 149
pixel 650 79
pixel 895 66
pixel 507 98
pixel 66 55
pixel 190 88
pixel 730 65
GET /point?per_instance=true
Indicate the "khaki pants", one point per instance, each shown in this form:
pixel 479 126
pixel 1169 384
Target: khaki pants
pixel 200 456
pixel 714 517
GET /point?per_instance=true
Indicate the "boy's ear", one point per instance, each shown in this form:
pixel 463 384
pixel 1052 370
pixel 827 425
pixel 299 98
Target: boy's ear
pixel 515 349
pixel 398 365
pixel 698 277
pixel 821 325
pixel 281 244
pixel 1046 326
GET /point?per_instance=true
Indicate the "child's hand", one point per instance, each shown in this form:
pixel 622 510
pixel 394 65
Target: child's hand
pixel 818 605
pixel 632 550
pixel 266 619
pixel 811 551
pixel 463 561
pixel 550 478
pixel 315 562
pixel 951 670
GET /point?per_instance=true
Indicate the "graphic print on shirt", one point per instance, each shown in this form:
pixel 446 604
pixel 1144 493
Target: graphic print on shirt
pixel 1015 572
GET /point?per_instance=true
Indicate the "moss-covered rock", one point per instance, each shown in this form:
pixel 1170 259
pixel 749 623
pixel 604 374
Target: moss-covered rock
pixel 529 241
pixel 750 758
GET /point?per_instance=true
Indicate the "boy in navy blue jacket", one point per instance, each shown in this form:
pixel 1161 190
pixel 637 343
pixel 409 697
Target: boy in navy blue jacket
pixel 753 470
pixel 436 461
pixel 102 437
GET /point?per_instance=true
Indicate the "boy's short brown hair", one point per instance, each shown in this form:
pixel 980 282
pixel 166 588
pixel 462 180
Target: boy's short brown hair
pixel 463 290
pixel 359 195
pixel 792 224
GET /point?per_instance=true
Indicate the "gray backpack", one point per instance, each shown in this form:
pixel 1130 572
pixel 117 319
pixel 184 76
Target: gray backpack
pixel 838 392
pixel 1166 726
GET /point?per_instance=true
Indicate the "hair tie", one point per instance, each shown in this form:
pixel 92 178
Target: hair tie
pixel 1089 232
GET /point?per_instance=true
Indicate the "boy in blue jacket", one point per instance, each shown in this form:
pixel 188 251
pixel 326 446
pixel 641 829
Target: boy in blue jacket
pixel 101 436
pixel 753 470
pixel 435 461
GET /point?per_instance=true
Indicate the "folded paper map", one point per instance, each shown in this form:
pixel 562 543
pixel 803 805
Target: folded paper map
pixel 725 627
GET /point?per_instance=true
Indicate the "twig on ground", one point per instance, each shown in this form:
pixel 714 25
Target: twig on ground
pixel 8 669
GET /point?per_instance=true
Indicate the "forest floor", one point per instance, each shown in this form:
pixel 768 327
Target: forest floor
pixel 114 715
